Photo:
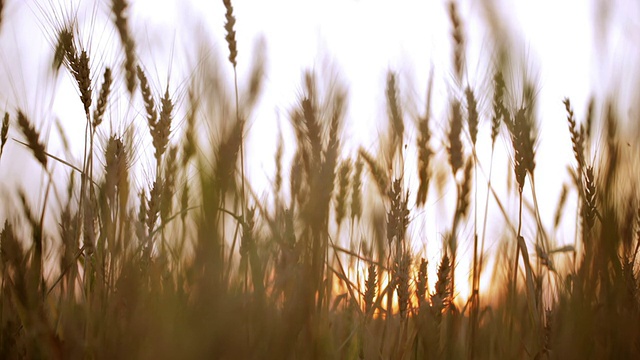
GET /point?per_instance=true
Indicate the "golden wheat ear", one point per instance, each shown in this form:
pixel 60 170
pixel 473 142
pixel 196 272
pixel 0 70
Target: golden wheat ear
pixel 371 285
pixel 422 283
pixel 401 272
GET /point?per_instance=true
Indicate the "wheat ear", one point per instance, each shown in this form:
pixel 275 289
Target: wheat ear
pixel 4 133
pixel 395 114
pixel 498 105
pixel 356 188
pixel 344 174
pixel 33 139
pixel 371 285
pixel 424 150
pixel 401 270
pixel 118 8
pixel 422 282
pixel 577 136
pixel 458 40
pixel 376 170
pixel 472 117
pixel 455 144
pixel 101 106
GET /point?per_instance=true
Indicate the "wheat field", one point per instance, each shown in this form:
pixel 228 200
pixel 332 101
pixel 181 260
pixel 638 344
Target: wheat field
pixel 143 235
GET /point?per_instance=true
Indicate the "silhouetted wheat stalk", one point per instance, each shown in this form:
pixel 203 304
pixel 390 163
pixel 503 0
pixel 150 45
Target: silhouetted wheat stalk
pixel 119 8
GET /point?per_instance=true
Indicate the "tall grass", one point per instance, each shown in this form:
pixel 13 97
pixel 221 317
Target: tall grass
pixel 191 263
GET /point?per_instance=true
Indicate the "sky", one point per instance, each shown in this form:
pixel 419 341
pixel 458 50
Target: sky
pixel 571 48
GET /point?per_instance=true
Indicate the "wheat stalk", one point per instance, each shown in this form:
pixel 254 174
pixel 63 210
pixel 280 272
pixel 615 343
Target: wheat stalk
pixel 458 40
pixel 498 105
pixel 561 204
pixel 141 228
pixel 256 78
pixel 4 133
pixel 189 143
pixel 577 136
pixel 589 207
pixel 277 183
pixel 401 273
pixel 376 170
pixel 312 127
pixel 472 117
pixel 230 37
pixel 184 202
pixel 169 183
pixel 118 8
pixel 398 214
pixel 162 129
pixel 344 173
pixel 422 283
pixel 462 209
pixel 395 113
pixel 89 230
pixel 66 43
pixel 589 119
pixel 64 39
pixel 455 144
pixel 114 157
pixel 231 33
pixel 83 78
pixel 101 105
pixel 424 149
pixel 153 205
pixel 522 141
pixel 33 139
pixel 356 188
pixel 147 97
pixel 441 298
pixel 424 158
pixel 79 66
pixel 371 284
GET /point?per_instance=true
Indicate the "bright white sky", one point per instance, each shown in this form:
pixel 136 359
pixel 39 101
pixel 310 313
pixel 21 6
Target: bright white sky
pixel 362 39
